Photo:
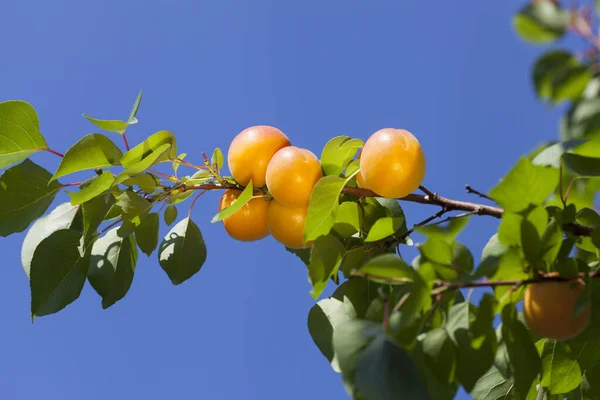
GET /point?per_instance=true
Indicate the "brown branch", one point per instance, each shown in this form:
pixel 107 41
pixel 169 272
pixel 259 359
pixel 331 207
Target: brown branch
pixel 478 193
pixel 433 199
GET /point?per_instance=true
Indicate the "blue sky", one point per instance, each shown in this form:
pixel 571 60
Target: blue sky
pixel 453 73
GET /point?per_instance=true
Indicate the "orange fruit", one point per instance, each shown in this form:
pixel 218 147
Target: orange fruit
pixel 291 175
pixel 286 224
pixel 250 153
pixel 549 309
pixel 392 163
pixel 249 223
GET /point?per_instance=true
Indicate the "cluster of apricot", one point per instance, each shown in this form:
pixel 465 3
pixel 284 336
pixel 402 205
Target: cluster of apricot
pixel 392 164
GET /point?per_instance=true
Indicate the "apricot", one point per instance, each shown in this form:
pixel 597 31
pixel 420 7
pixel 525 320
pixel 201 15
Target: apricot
pixel 392 163
pixel 249 223
pixel 549 309
pixel 250 152
pixel 359 177
pixel 286 224
pixel 291 175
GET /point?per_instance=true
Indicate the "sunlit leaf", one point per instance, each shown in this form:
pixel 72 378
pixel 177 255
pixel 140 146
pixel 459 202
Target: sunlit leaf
pixel 20 134
pixel 182 251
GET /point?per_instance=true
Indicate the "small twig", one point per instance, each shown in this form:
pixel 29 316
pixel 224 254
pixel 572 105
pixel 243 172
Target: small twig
pixel 187 164
pixel 432 310
pixel 72 184
pixel 517 283
pixel 194 202
pixel 427 192
pixel 403 299
pixel 568 190
pixel 560 184
pixel 169 177
pixel 478 193
pixel 110 226
pixel 54 152
pixel 451 218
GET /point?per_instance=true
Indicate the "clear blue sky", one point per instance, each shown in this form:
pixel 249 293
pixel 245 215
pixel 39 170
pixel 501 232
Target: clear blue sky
pixel 453 73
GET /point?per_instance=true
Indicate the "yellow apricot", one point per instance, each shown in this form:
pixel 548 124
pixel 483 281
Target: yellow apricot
pixel 392 163
pixel 250 153
pixel 291 175
pixel 249 223
pixel 549 310
pixel 286 224
pixel 359 177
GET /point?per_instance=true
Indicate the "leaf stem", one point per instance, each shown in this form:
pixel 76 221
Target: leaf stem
pixel 125 140
pixel 194 202
pixel 49 150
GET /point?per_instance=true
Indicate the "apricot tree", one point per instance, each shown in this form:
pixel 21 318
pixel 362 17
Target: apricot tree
pixel 393 328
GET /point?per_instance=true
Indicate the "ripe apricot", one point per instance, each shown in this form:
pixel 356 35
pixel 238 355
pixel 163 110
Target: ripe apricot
pixel 248 223
pixel 291 175
pixel 359 177
pixel 392 163
pixel 549 310
pixel 286 224
pixel 250 153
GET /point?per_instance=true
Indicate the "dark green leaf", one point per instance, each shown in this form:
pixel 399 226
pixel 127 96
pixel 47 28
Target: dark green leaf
pixel 94 212
pixel 582 165
pixel 154 144
pixel 58 272
pixel 524 185
pixel 182 251
pixel 112 265
pixel 170 214
pixel 146 182
pixel 547 66
pixel 62 217
pixel 531 242
pixel 25 194
pixel 20 134
pixel 134 208
pixel 323 206
pixel 509 231
pixel 385 371
pixel 146 234
pixel 90 152
pixel 490 257
pixel 338 153
pixel 551 242
pixel 325 259
pixel 349 340
pixel 569 83
pixel 302 254
pixel 440 354
pixel 347 221
pixel 96 187
pixel 561 372
pixel 110 125
pixel 493 386
pixel 237 205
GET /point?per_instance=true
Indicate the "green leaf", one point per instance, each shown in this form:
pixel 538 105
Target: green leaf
pixel 134 110
pixel 542 22
pixel 182 251
pixel 302 254
pixel 325 259
pixel 531 242
pixel 112 265
pixel 570 83
pixel 493 386
pixel 348 219
pixel 146 234
pixel 25 194
pixel 58 272
pixel 90 152
pixel 170 214
pixel 323 206
pixel 524 357
pixel 447 231
pixel 509 231
pixel 588 217
pixel 561 372
pixel 387 268
pixel 137 168
pixel 450 259
pixel 337 154
pixel 237 205
pixel 99 185
pixel 551 242
pixel 176 164
pixel 440 354
pixel 490 257
pixel 524 185
pixel 217 159
pixel 551 155
pixel 110 125
pixel 20 134
pixel 386 371
pixel 94 212
pixel 153 144
pixel 134 208
pixel 146 182
pixel 547 66
pixel 473 333
pixel 62 217
pixel 349 340
pixel 581 165
pixel 386 226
